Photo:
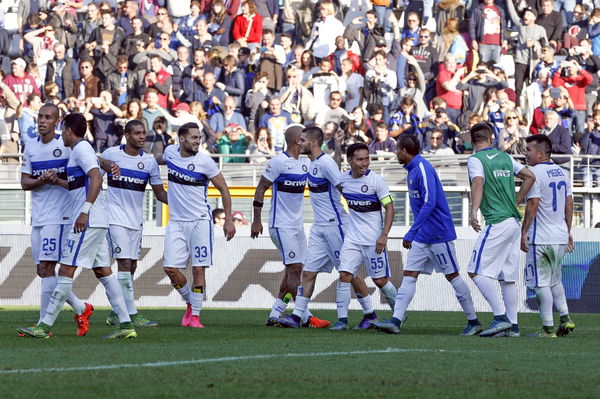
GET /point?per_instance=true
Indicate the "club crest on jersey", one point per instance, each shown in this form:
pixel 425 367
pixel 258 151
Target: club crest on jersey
pixel 292 254
pixel 364 188
pixel 140 165
pixel 57 152
pixel 191 166
pixel 304 168
pixel 117 250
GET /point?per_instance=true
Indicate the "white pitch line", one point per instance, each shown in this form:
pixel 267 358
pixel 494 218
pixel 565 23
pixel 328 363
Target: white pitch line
pixel 213 360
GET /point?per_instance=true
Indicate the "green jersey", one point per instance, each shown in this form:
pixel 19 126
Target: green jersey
pixel 499 201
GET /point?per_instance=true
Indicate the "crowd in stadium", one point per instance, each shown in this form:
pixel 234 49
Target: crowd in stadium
pixel 365 71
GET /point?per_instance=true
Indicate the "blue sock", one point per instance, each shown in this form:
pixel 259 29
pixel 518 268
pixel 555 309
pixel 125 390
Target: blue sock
pixel 474 322
pixel 501 317
pixel 515 328
pixel 396 321
pixel 344 320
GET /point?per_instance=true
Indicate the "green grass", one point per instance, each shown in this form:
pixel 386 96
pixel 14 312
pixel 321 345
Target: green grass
pixel 434 362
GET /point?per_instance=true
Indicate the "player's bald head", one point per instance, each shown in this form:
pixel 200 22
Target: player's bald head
pixel 52 109
pixel 292 133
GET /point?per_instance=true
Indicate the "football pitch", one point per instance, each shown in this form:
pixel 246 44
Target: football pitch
pixel 236 356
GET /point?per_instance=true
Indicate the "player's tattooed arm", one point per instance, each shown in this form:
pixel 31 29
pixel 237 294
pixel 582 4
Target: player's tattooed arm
pixel 530 212
pixel 229 227
pixel 476 196
pixel 569 221
pixel 160 193
pixel 110 167
pixel 390 212
pixel 528 180
pixel 259 196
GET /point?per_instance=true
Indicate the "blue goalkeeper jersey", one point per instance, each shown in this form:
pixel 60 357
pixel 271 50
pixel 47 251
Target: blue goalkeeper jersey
pixel 432 220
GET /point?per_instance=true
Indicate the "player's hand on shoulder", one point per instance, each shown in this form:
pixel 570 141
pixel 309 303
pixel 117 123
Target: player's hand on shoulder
pixel 256 229
pixel 229 229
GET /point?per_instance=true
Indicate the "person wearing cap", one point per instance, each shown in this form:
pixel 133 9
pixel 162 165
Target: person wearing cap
pixel 20 82
pixel 531 38
pixel 183 115
pixel 220 120
pixel 239 219
pixel 233 140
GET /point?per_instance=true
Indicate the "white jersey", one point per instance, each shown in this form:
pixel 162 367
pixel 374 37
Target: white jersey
pixel 125 195
pixel 288 176
pixel 83 159
pixel 50 204
pixel 323 177
pixel 364 196
pixel 188 184
pixel 552 186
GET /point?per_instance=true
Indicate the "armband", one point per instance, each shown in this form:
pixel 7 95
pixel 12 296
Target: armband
pixel 257 204
pixel 386 200
pixel 86 207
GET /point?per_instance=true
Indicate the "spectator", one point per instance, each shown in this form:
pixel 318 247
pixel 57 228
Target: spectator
pixel 232 80
pixel 511 138
pixel 446 88
pixel 247 27
pixel 436 145
pixel 187 24
pixel 28 119
pixel 91 21
pixel 560 136
pixel 476 82
pixel 323 83
pixel 219 23
pixel 359 127
pixel 239 219
pixel 367 35
pixel 451 42
pixel 276 120
pixel 533 92
pixel 202 39
pixel 269 11
pixel 487 28
pixel 62 70
pixel 591 63
pixel 438 121
pixel 563 105
pixel 20 82
pixel 123 84
pixel 159 137
pixel 263 146
pixel 332 113
pixel 297 99
pixel 257 100
pixel 325 30
pixel 42 41
pixel 547 61
pixel 133 111
pixel 178 68
pixel 137 38
pixel 158 78
pixel 102 113
pixel 380 83
pixel 353 82
pixel 108 37
pixel 590 145
pixel 183 115
pixel 220 120
pixel 383 144
pixel 87 85
pixel 575 81
pixel 130 13
pixel 551 21
pixel 218 216
pixel 412 27
pixel 427 57
pixel 405 120
pixel 233 140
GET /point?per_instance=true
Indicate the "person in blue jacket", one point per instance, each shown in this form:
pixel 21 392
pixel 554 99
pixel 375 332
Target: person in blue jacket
pixel 430 240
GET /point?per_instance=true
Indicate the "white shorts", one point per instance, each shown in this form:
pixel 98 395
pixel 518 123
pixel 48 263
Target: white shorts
pixel 47 242
pixel 185 240
pixel 124 243
pixel 497 251
pixel 88 249
pixel 425 258
pixel 324 246
pixel 543 265
pixel 354 255
pixel 291 244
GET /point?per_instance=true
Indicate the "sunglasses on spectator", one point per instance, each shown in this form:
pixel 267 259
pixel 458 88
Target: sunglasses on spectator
pixel 511 117
pixel 162 13
pixel 412 20
pixel 424 36
pixel 436 138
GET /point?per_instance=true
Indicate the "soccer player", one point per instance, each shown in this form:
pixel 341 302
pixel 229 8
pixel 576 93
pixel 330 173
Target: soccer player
pixel 87 244
pixel 496 253
pixel 287 174
pixel 44 172
pixel 430 240
pixel 189 233
pixel 366 193
pixel 124 202
pixel 327 231
pixel 546 235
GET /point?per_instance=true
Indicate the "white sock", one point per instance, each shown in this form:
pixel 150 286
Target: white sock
pixel 76 303
pixel 342 299
pixel 510 296
pixel 544 296
pixel 59 297
pixel 126 283
pixel 487 287
pixel 115 297
pixel 389 292
pixel 405 294
pixel 366 303
pixel 463 294
pixel 301 306
pixel 307 315
pixel 185 292
pixel 196 296
pixel 278 308
pixel 560 299
pixel 48 286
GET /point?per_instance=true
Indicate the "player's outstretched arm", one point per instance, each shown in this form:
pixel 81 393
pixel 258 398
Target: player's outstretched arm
pixel 160 193
pixel 528 180
pixel 476 196
pixel 259 196
pixel 530 212
pixel 390 212
pixel 569 221
pixel 219 182
pixel 93 190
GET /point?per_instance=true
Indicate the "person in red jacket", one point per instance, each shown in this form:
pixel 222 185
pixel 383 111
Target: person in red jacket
pixel 247 27
pixel 159 79
pixel 575 81
pixel 20 82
